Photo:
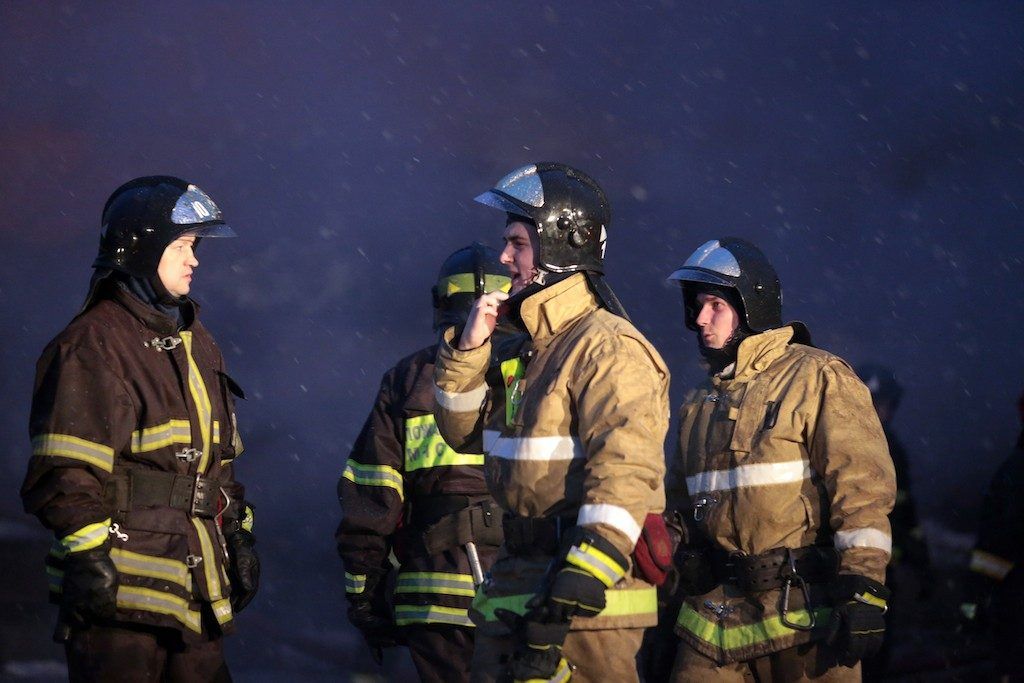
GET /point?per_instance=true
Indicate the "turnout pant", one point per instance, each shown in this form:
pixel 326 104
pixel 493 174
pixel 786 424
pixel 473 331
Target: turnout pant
pixel 599 656
pixel 441 653
pixel 809 662
pixel 131 654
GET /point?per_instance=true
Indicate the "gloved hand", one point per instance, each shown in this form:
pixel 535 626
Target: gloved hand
pixel 857 627
pixel 369 612
pixel 89 589
pixel 590 565
pixel 538 652
pixel 244 570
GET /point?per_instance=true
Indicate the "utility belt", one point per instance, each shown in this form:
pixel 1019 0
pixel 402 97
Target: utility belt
pixel 775 568
pixel 443 523
pixel 532 536
pixel 130 488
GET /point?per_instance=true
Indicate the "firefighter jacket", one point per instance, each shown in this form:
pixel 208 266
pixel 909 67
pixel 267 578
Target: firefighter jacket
pixel 400 480
pixel 784 452
pixel 998 551
pixel 581 440
pixel 122 391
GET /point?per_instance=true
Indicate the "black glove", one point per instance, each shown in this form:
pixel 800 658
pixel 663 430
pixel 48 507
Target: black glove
pixel 89 589
pixel 369 612
pixel 244 570
pixel 857 627
pixel 590 565
pixel 538 652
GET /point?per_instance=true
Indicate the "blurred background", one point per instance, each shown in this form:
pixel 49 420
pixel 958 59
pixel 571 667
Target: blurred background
pixel 874 150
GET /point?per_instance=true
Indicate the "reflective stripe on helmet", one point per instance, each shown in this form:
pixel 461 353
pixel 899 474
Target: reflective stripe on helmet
pixel 465 283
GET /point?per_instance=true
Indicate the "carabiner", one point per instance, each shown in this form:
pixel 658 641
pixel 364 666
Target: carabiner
pixel 791 576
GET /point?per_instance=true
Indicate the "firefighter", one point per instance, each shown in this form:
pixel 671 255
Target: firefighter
pixel 575 459
pixel 908 575
pixel 405 490
pixel 133 442
pixel 995 592
pixel 786 475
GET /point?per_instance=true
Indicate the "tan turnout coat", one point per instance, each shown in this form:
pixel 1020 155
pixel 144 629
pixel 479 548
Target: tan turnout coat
pixel 785 453
pixel 586 440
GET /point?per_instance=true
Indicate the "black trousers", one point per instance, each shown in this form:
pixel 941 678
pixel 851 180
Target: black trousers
pixel 130 653
pixel 441 653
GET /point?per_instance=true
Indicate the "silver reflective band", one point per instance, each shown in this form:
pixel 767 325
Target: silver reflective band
pixel 523 184
pixel 537 448
pixel 614 516
pixel 713 256
pixel 764 474
pixel 863 538
pixel 194 206
pixel 461 402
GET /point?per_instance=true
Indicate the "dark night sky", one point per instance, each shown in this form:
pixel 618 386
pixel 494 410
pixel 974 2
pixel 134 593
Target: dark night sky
pixel 875 151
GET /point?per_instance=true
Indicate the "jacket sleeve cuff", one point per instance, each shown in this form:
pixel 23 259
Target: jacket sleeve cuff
pixel 88 537
pixel 457 371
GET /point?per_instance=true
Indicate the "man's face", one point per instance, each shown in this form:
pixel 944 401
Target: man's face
pixel 518 254
pixel 716 320
pixel 177 264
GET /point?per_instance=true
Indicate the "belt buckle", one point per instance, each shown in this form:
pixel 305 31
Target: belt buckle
pixel 199 490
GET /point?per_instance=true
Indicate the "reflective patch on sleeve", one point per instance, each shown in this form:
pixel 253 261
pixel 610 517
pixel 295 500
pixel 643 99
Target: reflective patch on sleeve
pixel 431 614
pixel 374 475
pixel 595 562
pixel 614 516
pixel 461 402
pixel 67 446
pixel 355 583
pixel 863 538
pixel 88 537
pixel 438 583
pixel 425 448
pixel 990 565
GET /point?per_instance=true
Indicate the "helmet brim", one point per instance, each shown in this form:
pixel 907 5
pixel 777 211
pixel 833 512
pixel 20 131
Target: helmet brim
pixel 502 203
pixel 215 230
pixel 690 274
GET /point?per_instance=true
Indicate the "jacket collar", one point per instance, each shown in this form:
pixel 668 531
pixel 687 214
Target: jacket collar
pixel 551 310
pixel 149 316
pixel 756 353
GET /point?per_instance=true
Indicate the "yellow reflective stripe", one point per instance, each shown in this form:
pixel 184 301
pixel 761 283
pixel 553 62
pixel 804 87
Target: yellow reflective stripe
pixel 67 446
pixel 619 603
pixel 512 372
pixel 424 446
pixel 990 565
pixel 222 611
pixel 873 600
pixel 374 475
pixel 465 283
pixel 216 431
pixel 88 537
pixel 148 600
pixel 201 397
pixel 733 637
pixel 248 518
pixel 431 614
pixel 441 583
pixel 355 583
pixel 209 563
pixel 161 435
pixel 595 562
pixel 54 578
pixel 137 564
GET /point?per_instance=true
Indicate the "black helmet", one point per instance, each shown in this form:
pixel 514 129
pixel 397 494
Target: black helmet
pixel 881 382
pixel 466 275
pixel 144 215
pixel 569 209
pixel 733 263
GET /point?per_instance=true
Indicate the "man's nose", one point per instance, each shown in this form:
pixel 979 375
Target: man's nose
pixel 506 256
pixel 703 316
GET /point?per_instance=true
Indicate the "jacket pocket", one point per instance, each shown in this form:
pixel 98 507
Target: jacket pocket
pixel 230 442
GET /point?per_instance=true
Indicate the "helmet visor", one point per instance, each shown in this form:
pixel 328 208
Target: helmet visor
pixel 686 274
pixel 519 189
